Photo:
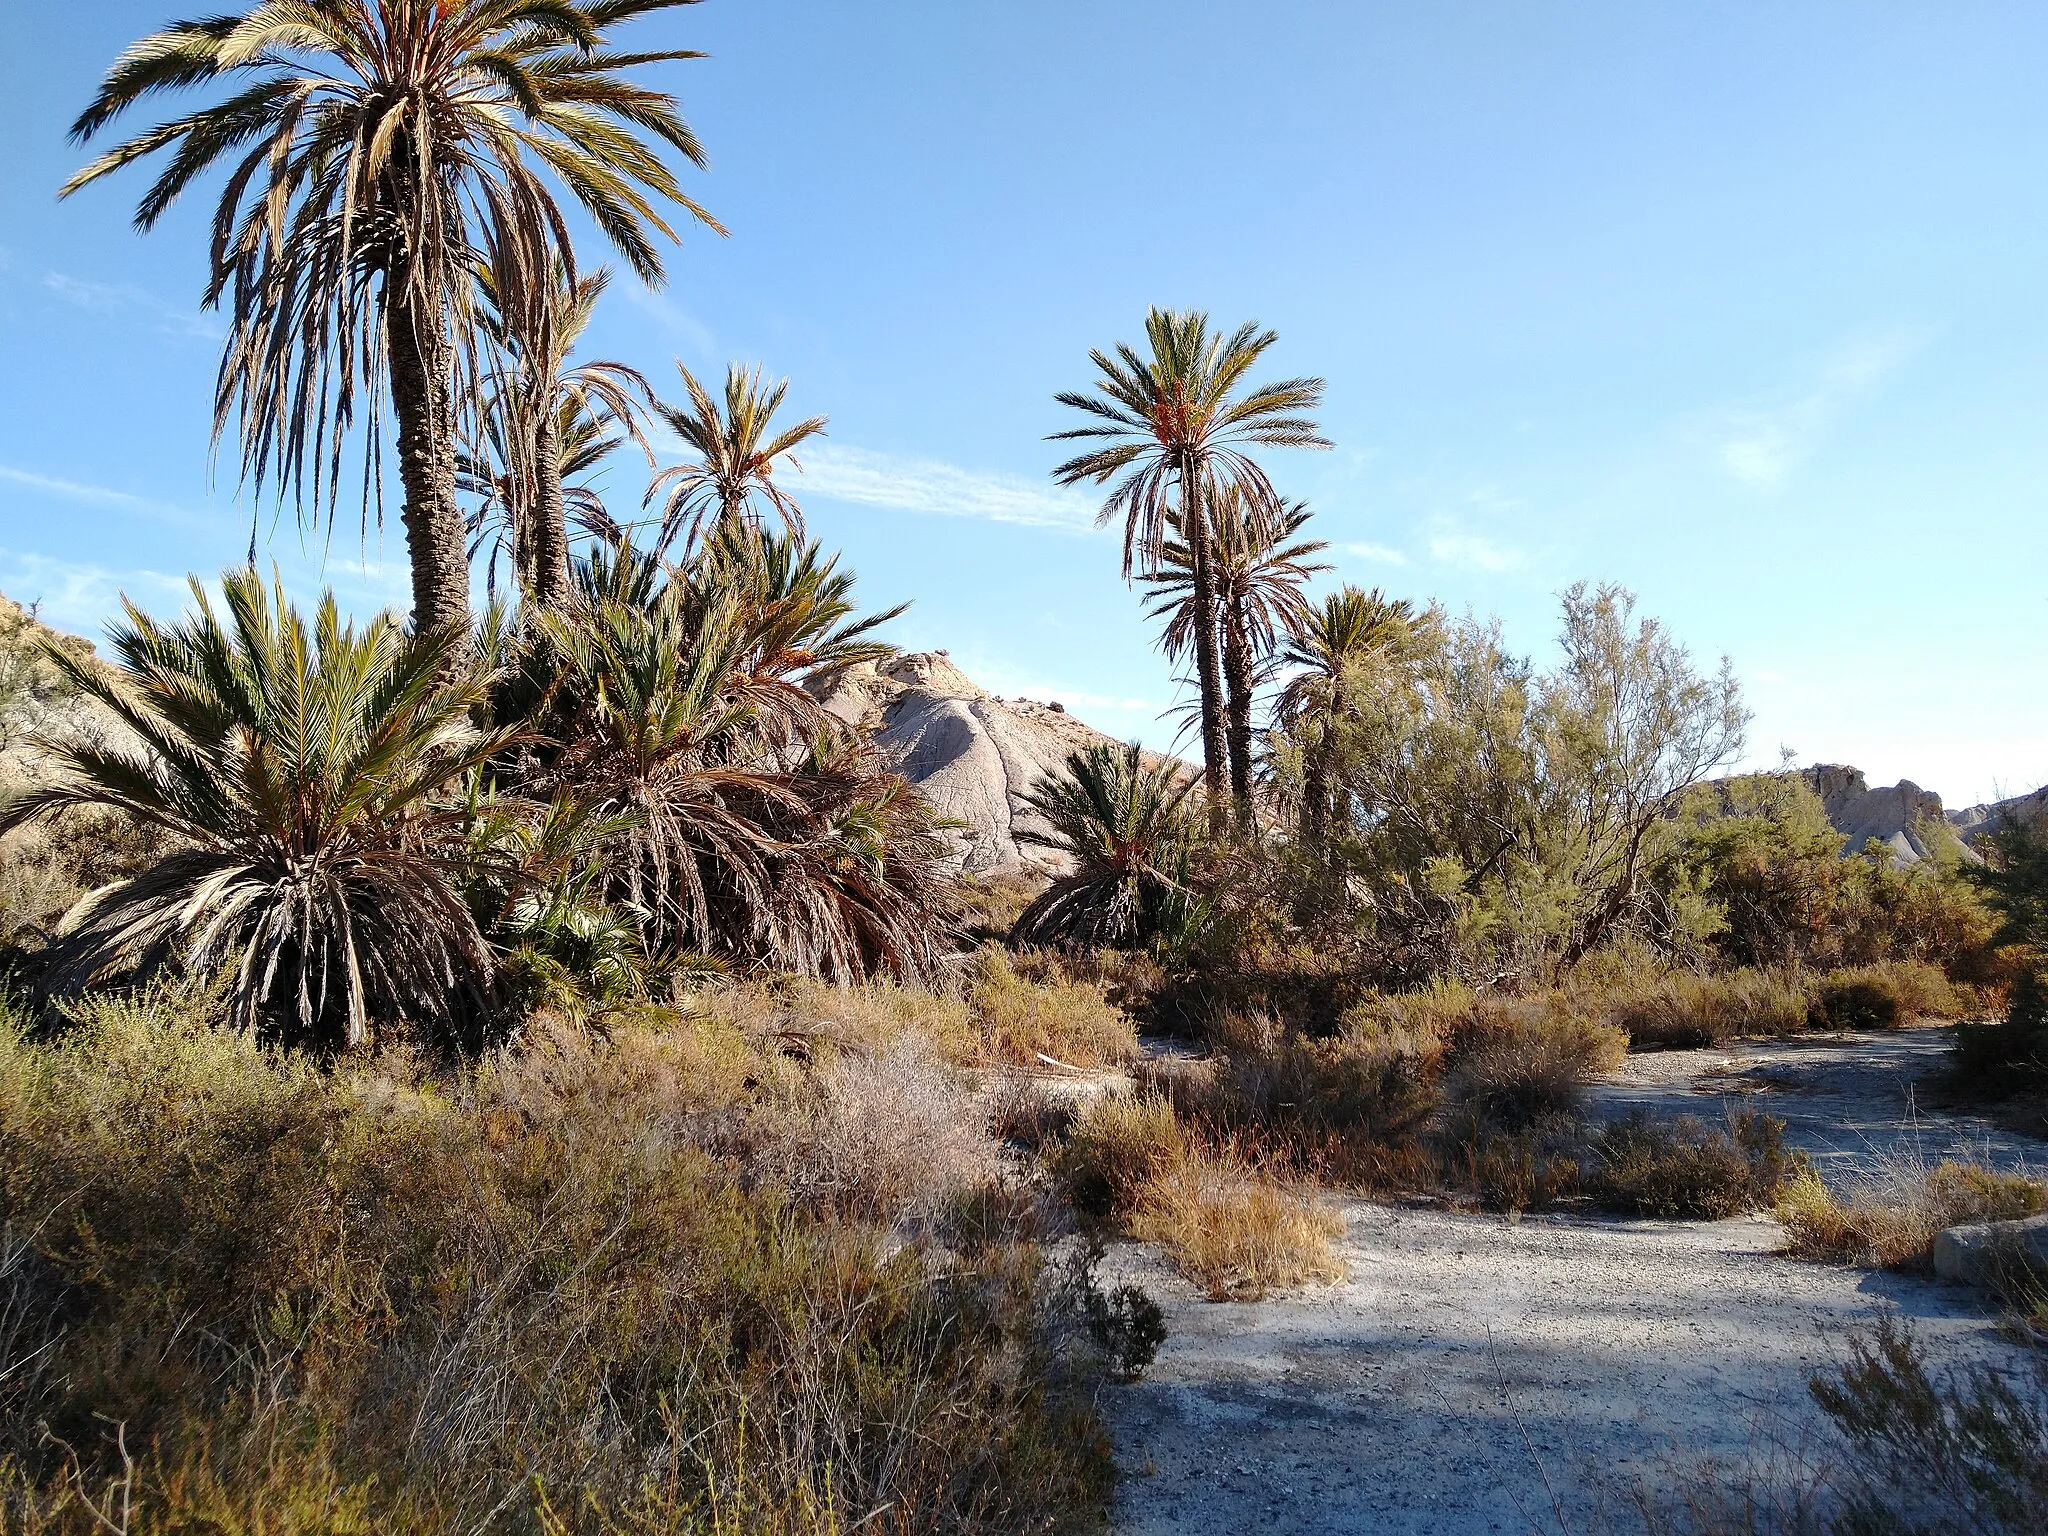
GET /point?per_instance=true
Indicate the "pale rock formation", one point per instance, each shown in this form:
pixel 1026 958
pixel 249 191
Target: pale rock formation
pixel 1901 817
pixel 1974 821
pixel 974 755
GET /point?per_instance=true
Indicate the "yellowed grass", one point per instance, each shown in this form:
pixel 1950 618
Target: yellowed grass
pixel 1237 1235
pixel 1021 1019
pixel 1891 1222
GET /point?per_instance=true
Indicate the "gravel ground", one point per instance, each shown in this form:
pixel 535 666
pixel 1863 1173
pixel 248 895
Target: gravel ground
pixel 1476 1374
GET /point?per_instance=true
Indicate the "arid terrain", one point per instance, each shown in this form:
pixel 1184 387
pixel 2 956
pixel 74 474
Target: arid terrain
pixel 1479 1374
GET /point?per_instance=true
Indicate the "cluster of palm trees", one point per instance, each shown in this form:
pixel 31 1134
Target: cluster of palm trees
pixel 625 778
pixel 1226 563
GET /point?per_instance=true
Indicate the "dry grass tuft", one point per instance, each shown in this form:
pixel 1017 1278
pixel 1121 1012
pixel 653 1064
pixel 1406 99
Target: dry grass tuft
pixel 1234 1233
pixel 1683 1009
pixel 1692 1171
pixel 1022 1018
pixel 1890 1220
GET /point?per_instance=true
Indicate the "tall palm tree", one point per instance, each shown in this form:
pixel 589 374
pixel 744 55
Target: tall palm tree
pixel 379 151
pixel 1261 568
pixel 1123 824
pixel 1354 641
pixel 1175 426
pixel 737 447
pixel 544 424
pixel 305 776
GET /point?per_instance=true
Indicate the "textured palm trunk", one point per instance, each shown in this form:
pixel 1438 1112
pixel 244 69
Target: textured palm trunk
pixel 1195 524
pixel 1237 679
pixel 1315 788
pixel 422 400
pixel 548 581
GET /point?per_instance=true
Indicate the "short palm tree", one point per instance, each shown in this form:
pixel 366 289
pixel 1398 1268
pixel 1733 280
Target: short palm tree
pixel 305 777
pixel 378 152
pixel 1353 643
pixel 545 424
pixel 1174 427
pixel 1261 568
pixel 737 447
pixel 1124 826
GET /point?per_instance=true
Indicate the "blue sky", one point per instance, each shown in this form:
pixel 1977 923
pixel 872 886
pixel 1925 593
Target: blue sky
pixel 1744 305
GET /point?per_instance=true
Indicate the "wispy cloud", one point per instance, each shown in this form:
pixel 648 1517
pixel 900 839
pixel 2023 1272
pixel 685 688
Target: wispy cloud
pixel 1385 554
pixel 1469 549
pixel 927 485
pixel 685 327
pixel 116 299
pixel 1761 444
pixel 103 496
pixel 74 596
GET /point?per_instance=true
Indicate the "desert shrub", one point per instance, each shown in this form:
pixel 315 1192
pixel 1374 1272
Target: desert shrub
pixel 1232 1229
pixel 1022 1020
pixel 1683 1008
pixel 1516 1063
pixel 554 1290
pixel 1236 1234
pixel 2010 1056
pixel 1884 994
pixel 991 905
pixel 1686 1169
pixel 1029 1114
pixel 1533 1166
pixel 1964 1451
pixel 1128 1326
pixel 803 1016
pixel 1120 1145
pixel 1890 1219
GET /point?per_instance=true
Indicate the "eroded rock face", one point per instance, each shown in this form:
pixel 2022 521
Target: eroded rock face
pixel 1901 816
pixel 974 755
pixel 1976 820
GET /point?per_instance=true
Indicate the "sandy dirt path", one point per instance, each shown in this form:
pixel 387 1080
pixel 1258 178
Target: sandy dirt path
pixel 1479 1375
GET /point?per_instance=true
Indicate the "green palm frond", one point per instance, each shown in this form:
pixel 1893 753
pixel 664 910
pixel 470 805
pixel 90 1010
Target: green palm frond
pixel 737 447
pixel 306 776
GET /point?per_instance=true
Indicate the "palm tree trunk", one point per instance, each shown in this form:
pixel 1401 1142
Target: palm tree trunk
pixel 1315 788
pixel 422 400
pixel 1195 527
pixel 1237 678
pixel 548 581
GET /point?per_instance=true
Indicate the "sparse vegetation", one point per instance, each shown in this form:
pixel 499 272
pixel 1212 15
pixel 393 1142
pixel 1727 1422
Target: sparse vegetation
pixel 1890 1220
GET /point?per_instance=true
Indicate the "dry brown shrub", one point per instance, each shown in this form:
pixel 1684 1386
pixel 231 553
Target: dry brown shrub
pixel 1030 1113
pixel 1519 1062
pixel 1025 1017
pixel 1890 1219
pixel 1681 1009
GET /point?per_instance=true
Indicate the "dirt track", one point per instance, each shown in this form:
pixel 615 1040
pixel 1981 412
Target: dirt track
pixel 1481 1375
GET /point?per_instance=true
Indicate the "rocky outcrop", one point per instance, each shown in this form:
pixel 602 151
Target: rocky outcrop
pixel 1904 817
pixel 1976 820
pixel 973 754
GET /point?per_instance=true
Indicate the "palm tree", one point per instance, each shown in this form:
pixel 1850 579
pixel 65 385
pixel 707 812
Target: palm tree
pixel 737 448
pixel 1345 648
pixel 1177 426
pixel 758 835
pixel 379 151
pixel 545 424
pixel 1260 569
pixel 305 778
pixel 1123 824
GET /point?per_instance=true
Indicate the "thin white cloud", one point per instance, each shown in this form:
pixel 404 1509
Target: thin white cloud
pixel 680 323
pixel 73 596
pixel 1385 554
pixel 1761 445
pixel 112 299
pixel 1469 549
pixel 927 485
pixel 104 496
